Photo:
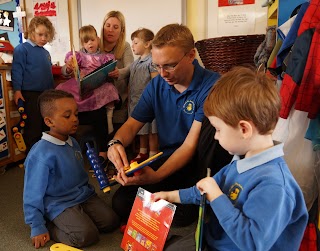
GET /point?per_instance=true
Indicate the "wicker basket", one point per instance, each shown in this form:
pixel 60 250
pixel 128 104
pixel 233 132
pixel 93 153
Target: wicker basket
pixel 222 53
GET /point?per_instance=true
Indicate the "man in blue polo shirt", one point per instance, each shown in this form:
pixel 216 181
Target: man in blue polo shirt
pixel 175 99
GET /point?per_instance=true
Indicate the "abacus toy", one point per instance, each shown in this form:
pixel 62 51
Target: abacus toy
pixel 103 180
pixel 17 134
pixel 98 170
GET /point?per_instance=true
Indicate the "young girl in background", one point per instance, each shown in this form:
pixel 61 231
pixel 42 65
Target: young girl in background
pixel 141 73
pixel 32 74
pixel 92 107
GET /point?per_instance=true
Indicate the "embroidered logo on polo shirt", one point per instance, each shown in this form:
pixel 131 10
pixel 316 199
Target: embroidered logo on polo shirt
pixel 234 192
pixel 188 107
pixel 78 155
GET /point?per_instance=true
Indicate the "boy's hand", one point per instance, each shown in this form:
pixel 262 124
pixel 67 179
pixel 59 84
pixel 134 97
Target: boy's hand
pixel 161 195
pixel 40 240
pixel 210 187
pixel 171 196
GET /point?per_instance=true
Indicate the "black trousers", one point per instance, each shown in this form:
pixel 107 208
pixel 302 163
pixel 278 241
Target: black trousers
pixel 34 122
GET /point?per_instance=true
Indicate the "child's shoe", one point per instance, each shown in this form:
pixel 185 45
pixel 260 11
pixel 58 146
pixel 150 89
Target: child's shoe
pixel 140 158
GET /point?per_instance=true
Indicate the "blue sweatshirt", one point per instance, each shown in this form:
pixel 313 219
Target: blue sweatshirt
pixel 262 207
pixel 31 68
pixel 55 179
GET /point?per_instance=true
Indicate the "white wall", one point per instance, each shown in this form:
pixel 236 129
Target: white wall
pixel 151 14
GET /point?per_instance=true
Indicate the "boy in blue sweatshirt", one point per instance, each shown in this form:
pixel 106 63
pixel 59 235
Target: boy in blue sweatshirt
pixel 256 202
pixel 58 202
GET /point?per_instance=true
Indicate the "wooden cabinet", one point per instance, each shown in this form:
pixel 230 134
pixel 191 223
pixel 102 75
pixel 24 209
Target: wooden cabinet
pixel 9 117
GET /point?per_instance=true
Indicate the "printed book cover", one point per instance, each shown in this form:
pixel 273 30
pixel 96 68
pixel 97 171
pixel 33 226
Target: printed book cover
pixel 96 78
pixel 148 224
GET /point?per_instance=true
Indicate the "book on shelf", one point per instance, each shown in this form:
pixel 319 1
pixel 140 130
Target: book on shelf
pixel 148 224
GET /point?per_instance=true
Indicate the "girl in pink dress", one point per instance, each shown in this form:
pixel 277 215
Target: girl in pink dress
pixel 92 106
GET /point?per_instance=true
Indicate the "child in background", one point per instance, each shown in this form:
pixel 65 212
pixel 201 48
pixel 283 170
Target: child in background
pixel 58 201
pixel 32 74
pixel 141 73
pixel 256 202
pixel 92 107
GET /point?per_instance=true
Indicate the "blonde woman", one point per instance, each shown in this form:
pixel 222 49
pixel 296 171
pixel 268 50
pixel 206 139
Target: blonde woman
pixel 112 40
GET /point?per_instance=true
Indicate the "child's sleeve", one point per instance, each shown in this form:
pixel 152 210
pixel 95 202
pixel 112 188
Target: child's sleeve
pixel 68 56
pixel 35 184
pixel 18 67
pixel 190 195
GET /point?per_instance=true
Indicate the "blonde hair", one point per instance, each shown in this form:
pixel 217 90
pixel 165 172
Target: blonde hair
pixel 120 45
pixel 144 34
pixel 176 35
pixel 86 33
pixel 243 94
pixel 35 22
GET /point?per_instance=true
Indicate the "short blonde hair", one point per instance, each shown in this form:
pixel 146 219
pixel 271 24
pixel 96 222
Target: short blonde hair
pixel 121 44
pixel 86 33
pixel 144 34
pixel 243 94
pixel 176 35
pixel 35 22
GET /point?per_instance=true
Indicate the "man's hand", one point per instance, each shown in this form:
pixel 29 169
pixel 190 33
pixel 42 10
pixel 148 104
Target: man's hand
pixel 40 240
pixel 117 155
pixel 146 176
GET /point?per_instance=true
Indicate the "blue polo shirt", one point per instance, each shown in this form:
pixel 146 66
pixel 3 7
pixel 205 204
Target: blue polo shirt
pixel 174 112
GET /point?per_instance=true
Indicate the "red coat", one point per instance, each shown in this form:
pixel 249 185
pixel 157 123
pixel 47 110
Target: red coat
pixel 301 83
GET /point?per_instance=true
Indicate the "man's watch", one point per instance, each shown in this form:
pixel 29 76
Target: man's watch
pixel 113 142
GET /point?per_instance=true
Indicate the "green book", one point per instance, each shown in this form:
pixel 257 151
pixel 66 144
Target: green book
pixel 97 77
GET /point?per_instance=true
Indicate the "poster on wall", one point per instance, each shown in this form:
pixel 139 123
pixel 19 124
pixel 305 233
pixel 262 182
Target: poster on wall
pixel 222 3
pixel 236 20
pixel 6 20
pixel 45 8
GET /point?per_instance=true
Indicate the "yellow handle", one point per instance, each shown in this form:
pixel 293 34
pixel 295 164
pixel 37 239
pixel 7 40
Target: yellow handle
pixel 63 247
pixel 135 164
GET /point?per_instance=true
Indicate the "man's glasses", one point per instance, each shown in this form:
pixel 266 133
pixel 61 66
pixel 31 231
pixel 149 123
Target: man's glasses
pixel 167 68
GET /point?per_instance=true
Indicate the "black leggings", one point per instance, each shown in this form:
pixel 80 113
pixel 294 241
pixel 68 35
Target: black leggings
pixel 98 120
